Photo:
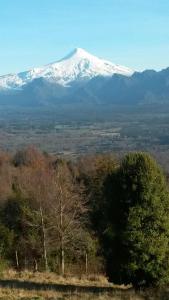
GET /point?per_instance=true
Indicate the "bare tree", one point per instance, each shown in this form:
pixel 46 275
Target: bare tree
pixel 58 203
pixel 67 210
pixel 6 176
pixel 35 185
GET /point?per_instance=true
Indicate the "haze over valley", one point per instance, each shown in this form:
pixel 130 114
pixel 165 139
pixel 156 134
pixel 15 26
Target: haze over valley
pixel 83 104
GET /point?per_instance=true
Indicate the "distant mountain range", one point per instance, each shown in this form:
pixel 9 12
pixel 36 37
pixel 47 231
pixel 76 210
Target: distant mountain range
pixel 83 78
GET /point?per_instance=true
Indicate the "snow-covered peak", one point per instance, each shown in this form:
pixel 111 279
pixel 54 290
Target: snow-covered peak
pixel 77 52
pixel 76 66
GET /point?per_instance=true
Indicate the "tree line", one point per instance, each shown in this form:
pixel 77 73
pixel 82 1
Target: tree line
pixel 94 214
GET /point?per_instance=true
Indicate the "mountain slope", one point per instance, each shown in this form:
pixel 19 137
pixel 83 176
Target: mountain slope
pixel 79 65
pixel 148 87
pixel 83 79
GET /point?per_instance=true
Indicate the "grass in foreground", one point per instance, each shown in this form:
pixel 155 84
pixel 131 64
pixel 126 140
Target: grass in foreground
pixel 48 286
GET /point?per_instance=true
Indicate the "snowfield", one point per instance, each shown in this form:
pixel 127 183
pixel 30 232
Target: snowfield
pixel 78 65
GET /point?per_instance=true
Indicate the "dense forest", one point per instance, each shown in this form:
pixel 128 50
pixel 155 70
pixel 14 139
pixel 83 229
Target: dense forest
pixel 97 214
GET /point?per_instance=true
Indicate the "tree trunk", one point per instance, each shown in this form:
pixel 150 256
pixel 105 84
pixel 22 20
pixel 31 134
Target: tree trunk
pixel 17 260
pixel 35 266
pixel 62 262
pixel 86 263
pixel 44 240
pixel 61 240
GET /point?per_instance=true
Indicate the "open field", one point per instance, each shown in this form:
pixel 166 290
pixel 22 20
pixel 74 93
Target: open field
pixel 27 285
pixel 43 286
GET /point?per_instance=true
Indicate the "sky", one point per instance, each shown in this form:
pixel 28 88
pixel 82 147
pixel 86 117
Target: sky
pixel 134 33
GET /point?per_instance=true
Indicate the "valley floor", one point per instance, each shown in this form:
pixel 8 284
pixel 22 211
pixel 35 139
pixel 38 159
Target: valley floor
pixel 78 133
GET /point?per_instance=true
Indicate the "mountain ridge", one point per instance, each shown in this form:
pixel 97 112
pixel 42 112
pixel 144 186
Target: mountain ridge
pixel 91 82
pixel 78 65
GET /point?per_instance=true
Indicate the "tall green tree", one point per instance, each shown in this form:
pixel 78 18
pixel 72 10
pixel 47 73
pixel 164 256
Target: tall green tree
pixel 137 233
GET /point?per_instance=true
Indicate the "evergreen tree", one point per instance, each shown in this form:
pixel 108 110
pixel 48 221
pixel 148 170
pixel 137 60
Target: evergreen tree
pixel 137 234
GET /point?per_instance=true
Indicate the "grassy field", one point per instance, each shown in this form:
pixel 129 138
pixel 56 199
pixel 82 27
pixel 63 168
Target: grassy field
pixel 45 286
pixel 26 285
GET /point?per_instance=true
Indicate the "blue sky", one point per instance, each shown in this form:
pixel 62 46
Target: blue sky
pixel 134 33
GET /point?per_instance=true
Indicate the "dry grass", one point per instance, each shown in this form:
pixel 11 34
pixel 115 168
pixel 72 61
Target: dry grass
pixel 28 292
pixel 49 277
pixel 14 294
pixel 52 278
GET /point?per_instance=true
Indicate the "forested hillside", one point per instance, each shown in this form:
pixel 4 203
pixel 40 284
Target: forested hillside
pixel 93 215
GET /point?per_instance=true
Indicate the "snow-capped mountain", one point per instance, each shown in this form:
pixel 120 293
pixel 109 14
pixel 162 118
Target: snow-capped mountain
pixel 77 66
